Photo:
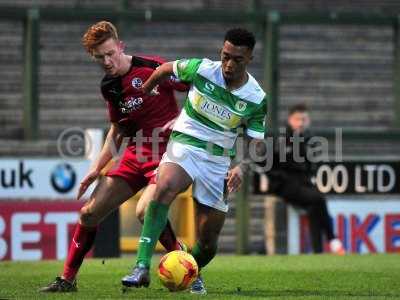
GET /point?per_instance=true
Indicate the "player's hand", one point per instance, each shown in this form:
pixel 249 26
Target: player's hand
pixel 87 181
pixel 151 92
pixel 235 178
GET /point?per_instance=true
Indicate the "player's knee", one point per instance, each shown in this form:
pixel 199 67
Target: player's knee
pixel 166 190
pixel 87 217
pixel 166 186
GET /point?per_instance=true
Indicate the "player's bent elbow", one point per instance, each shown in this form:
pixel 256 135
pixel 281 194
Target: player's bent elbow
pixel 166 69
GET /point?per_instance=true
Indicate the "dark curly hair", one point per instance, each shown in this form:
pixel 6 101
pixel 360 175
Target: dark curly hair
pixel 240 37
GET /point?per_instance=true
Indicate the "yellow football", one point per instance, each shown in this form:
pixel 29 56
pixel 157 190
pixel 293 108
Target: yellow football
pixel 177 270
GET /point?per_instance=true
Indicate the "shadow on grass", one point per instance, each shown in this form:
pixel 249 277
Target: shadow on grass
pixel 297 293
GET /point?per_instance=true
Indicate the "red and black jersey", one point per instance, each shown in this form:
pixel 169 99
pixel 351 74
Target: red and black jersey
pixel 128 105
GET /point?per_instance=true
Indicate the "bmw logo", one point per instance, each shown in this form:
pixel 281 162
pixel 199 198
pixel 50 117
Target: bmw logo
pixel 63 178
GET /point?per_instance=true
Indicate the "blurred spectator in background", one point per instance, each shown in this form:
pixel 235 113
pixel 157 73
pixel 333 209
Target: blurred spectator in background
pixel 290 178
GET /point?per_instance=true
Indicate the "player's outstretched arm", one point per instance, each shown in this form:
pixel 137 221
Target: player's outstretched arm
pixel 161 73
pixel 113 141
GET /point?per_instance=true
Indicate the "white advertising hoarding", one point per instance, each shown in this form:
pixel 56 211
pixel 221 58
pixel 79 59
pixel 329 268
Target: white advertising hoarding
pixel 41 178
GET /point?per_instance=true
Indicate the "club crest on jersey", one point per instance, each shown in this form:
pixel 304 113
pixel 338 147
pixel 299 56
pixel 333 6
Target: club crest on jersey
pixel 240 105
pixel 137 82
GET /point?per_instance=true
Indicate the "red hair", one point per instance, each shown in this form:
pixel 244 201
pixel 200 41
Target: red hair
pixel 98 34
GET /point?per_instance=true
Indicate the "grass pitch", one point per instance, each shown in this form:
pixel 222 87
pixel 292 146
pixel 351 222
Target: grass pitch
pixel 227 277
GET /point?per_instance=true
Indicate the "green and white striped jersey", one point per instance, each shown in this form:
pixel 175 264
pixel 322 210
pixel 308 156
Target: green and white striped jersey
pixel 212 113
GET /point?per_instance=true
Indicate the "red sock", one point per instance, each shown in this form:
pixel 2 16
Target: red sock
pixel 81 243
pixel 168 238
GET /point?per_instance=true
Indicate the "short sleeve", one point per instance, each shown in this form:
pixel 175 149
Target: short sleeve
pixel 256 123
pixel 186 69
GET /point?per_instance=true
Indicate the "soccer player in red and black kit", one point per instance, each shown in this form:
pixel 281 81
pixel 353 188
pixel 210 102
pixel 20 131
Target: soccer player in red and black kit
pixel 130 111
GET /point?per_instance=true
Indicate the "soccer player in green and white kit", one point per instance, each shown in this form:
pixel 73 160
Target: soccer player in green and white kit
pixel 222 96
